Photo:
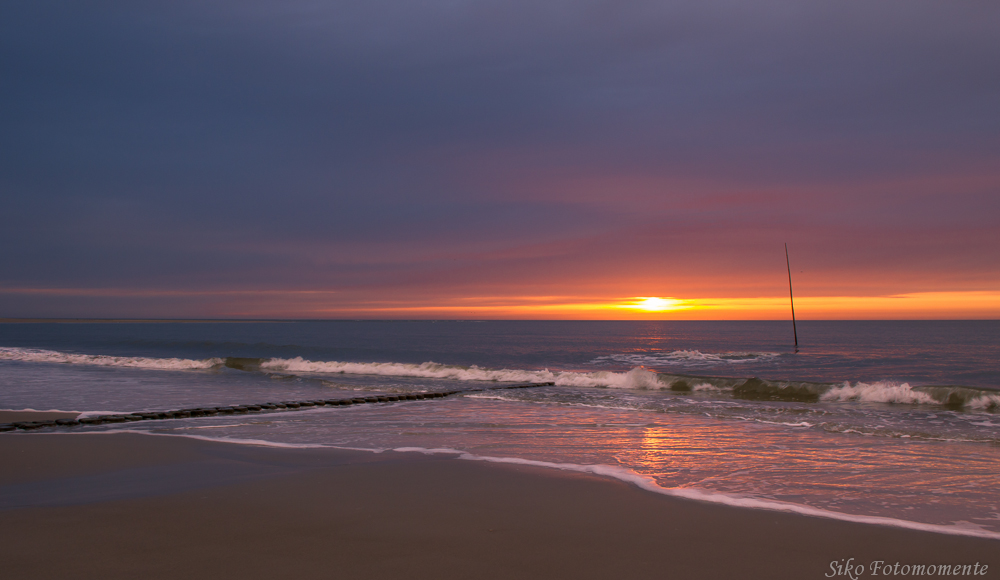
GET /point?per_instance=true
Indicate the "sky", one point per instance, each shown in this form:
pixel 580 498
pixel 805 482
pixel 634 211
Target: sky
pixel 500 159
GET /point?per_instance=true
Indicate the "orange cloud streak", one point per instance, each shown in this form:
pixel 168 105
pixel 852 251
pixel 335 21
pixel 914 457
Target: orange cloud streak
pixel 306 304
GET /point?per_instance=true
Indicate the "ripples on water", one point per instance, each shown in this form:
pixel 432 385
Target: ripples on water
pixel 833 445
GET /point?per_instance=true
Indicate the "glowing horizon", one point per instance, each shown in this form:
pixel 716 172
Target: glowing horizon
pixel 524 179
pixel 319 304
pixel 926 305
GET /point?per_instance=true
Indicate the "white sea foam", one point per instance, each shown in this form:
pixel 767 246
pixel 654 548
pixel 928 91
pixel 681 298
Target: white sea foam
pixel 251 442
pixel 786 424
pixel 637 378
pixel 648 483
pixel 426 451
pixel 705 387
pixel 984 402
pixel 879 392
pixel 688 358
pixel 52 356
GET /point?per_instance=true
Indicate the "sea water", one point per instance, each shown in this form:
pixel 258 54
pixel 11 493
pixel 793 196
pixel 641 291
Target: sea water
pixel 891 422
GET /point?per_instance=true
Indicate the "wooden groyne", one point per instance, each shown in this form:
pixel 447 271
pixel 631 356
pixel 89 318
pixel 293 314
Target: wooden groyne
pixel 283 406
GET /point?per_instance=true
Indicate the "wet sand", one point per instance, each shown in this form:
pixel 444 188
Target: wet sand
pixel 139 506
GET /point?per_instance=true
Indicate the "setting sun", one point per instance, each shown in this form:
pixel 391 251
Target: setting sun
pixel 655 304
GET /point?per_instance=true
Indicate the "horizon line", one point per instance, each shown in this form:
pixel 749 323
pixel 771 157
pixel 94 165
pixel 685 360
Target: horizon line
pixel 120 320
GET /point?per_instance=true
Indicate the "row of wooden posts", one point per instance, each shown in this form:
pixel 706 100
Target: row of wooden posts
pixel 243 409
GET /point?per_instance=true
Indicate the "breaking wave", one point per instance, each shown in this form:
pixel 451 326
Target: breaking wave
pixel 637 378
pixel 879 392
pixel 687 358
pixel 954 397
pixel 890 392
pixel 52 356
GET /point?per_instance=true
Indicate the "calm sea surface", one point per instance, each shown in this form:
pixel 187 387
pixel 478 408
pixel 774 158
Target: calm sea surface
pixel 897 420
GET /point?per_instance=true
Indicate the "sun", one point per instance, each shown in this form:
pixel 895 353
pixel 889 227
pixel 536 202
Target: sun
pixel 655 304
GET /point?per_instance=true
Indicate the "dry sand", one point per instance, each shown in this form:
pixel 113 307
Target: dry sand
pixel 139 506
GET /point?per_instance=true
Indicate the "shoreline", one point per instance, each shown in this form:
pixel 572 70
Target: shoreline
pixel 603 471
pixel 117 505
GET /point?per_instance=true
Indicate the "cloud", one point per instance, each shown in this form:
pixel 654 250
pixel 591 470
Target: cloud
pixel 497 146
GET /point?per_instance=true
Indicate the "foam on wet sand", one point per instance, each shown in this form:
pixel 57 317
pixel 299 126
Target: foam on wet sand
pixel 128 505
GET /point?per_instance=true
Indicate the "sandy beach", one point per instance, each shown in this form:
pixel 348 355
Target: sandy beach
pixel 139 506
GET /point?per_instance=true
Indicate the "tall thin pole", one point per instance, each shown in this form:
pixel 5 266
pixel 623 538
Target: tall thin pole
pixel 795 331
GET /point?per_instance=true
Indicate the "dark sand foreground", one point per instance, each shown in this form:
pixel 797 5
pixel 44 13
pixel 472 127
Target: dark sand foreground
pixel 138 506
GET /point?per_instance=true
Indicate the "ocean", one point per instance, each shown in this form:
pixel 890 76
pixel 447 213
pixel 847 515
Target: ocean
pixel 890 422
